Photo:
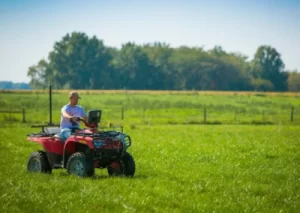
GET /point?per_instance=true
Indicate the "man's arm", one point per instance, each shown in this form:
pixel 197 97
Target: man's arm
pixel 65 114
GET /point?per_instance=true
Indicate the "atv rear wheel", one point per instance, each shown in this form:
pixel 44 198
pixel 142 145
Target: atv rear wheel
pixel 38 162
pixel 79 165
pixel 125 167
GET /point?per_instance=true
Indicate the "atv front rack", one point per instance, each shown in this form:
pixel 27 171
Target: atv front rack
pixel 106 135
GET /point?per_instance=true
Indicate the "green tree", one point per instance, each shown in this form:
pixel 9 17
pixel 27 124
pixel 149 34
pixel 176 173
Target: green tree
pixel 38 74
pixel 159 55
pixel 135 69
pixel 268 65
pixel 76 62
pixel 237 71
pixel 80 62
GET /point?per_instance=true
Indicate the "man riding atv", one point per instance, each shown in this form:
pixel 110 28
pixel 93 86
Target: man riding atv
pixel 80 152
pixel 69 116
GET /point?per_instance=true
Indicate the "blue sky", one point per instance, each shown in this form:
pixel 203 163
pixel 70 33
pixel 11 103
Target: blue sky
pixel 29 28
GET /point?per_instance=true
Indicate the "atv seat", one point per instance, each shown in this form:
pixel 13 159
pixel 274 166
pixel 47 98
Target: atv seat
pixel 55 131
pixel 52 130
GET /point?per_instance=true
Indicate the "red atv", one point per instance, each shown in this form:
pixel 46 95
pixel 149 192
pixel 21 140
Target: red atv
pixel 85 150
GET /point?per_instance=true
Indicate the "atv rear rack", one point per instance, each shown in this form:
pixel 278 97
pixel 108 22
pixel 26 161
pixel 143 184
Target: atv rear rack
pixel 41 134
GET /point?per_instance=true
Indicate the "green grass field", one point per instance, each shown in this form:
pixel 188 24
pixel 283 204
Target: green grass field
pixel 179 167
pixel 162 108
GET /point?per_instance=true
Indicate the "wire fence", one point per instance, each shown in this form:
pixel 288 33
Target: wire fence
pixel 207 116
pixel 122 114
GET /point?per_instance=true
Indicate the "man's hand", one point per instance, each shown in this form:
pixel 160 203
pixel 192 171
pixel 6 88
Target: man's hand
pixel 74 119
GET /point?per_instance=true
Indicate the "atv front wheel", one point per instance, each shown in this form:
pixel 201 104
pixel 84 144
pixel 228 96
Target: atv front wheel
pixel 125 167
pixel 38 162
pixel 79 165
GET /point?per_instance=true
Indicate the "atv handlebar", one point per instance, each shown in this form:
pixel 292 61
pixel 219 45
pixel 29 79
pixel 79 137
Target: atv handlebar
pixel 85 123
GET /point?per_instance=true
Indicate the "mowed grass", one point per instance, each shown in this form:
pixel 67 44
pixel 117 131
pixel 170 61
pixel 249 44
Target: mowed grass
pixel 179 168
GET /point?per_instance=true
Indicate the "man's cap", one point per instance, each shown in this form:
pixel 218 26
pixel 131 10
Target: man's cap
pixel 74 94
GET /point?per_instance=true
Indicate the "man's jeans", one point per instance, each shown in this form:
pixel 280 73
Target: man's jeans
pixel 65 133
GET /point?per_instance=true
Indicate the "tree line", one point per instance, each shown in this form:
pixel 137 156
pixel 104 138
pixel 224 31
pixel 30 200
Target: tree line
pixel 81 62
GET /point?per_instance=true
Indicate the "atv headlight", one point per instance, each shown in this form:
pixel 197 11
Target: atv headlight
pixel 125 140
pixel 98 143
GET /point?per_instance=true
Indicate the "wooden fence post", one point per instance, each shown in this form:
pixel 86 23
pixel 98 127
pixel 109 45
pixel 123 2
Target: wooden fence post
pixel 235 114
pixel 122 113
pixel 292 114
pixel 144 109
pixel 23 112
pixel 204 116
